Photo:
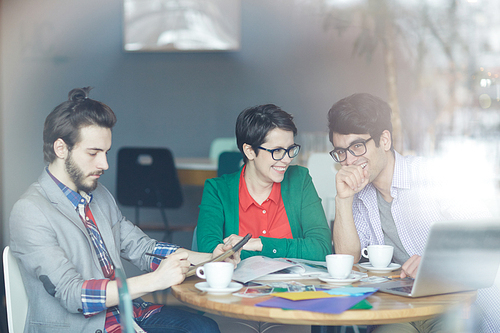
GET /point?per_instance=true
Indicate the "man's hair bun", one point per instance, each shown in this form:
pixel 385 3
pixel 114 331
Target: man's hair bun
pixel 79 94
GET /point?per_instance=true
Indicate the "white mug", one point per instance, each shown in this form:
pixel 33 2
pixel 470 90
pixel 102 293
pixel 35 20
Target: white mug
pixel 217 274
pixel 339 265
pixel 379 255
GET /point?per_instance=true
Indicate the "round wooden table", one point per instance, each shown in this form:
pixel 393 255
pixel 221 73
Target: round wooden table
pixel 387 308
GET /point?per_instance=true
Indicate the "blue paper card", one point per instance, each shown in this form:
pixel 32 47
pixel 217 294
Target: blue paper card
pixel 351 291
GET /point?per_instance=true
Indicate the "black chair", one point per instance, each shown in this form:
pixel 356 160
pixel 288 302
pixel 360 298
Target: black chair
pixel 147 178
pixel 229 162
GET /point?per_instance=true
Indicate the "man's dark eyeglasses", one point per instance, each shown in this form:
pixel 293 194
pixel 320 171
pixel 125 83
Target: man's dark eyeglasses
pixel 279 153
pixel 356 149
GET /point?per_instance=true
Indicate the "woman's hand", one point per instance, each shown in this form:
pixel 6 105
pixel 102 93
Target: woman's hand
pixel 254 244
pixel 221 248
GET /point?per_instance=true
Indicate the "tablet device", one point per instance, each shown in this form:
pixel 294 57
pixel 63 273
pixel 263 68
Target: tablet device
pixel 223 256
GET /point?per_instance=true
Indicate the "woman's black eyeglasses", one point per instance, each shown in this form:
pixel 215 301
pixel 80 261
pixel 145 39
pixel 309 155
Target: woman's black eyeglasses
pixel 279 153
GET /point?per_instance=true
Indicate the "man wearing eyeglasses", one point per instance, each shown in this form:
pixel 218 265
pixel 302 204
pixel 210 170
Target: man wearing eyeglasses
pixel 361 133
pixel 386 198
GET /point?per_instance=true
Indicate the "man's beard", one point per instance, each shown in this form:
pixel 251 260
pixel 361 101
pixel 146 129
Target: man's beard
pixel 77 176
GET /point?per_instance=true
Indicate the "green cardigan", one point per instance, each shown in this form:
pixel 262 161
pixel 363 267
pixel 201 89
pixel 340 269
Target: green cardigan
pixel 219 217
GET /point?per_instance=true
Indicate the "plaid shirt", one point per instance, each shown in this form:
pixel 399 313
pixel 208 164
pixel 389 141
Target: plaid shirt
pixel 94 291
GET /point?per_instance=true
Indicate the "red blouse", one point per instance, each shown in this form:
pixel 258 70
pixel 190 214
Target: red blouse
pixel 268 219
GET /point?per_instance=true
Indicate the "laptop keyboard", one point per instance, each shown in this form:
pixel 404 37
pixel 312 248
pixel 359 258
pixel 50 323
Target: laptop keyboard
pixel 405 289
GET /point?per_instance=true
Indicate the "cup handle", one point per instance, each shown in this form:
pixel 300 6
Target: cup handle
pixel 365 254
pixel 200 272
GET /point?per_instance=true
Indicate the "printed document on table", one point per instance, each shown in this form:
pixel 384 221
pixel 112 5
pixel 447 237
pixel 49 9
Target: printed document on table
pixel 260 267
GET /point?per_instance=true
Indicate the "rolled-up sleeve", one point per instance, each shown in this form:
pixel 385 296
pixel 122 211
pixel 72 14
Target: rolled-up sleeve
pixel 162 249
pixel 94 296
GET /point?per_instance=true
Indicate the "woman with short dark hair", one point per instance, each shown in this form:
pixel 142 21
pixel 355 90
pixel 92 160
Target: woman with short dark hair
pixel 270 198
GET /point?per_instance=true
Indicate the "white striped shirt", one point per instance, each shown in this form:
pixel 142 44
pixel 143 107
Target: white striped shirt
pixel 419 199
pixel 422 196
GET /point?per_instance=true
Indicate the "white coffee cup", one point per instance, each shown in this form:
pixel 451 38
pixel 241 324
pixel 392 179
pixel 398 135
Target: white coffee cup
pixel 379 255
pixel 217 274
pixel 339 265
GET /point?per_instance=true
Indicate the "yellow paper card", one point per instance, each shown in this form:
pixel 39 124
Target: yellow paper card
pixel 305 295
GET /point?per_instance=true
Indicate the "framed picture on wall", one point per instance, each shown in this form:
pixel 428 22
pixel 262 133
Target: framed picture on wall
pixel 181 25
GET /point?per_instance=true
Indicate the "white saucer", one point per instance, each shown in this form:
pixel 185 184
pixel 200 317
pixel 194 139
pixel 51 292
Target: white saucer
pixel 369 267
pixel 233 286
pixel 341 282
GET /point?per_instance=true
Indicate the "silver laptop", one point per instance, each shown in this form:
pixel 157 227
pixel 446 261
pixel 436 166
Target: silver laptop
pixel 459 256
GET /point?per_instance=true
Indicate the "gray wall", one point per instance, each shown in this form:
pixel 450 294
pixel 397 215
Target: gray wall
pixel 178 100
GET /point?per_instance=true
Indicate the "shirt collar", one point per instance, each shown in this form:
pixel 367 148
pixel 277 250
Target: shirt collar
pixel 74 197
pixel 246 199
pixel 400 178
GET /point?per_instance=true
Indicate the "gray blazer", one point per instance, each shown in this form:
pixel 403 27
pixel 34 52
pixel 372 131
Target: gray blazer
pixel 57 255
